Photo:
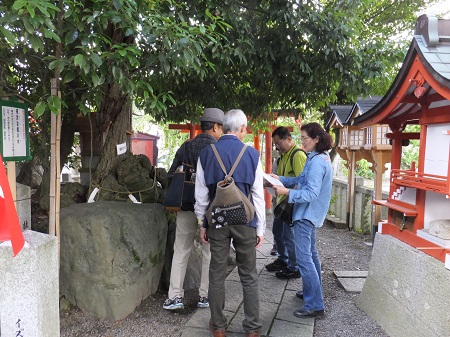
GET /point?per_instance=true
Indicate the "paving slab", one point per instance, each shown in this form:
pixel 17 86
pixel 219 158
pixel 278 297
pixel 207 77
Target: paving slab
pixel 233 295
pixel 195 332
pixel 262 255
pixel 201 319
pixel 266 248
pixel 351 273
pixel 234 275
pixel 288 304
pixel 290 329
pixel 294 284
pixel 260 264
pixel 271 289
pixel 352 284
pixel 266 314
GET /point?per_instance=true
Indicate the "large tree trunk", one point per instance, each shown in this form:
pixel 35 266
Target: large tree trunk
pixel 116 134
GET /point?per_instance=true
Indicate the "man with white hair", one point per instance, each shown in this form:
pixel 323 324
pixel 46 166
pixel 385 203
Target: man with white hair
pixel 246 238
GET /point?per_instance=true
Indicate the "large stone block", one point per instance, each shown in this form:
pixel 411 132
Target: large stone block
pixel 112 254
pixel 192 278
pixel 440 228
pixel 406 289
pixel 29 296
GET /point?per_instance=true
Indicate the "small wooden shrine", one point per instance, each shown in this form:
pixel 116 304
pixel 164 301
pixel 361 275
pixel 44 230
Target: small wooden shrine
pixel 355 143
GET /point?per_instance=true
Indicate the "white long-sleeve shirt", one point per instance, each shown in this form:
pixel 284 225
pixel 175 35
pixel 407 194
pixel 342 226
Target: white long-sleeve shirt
pixel 257 190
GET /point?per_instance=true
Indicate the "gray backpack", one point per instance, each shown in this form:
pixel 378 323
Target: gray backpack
pixel 230 206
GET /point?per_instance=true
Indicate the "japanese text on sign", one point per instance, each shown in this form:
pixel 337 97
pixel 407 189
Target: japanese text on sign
pixel 14 132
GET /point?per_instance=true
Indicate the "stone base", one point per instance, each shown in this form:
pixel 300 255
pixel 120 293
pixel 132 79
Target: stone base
pixel 405 290
pixel 336 222
pixel 424 233
pixel 440 228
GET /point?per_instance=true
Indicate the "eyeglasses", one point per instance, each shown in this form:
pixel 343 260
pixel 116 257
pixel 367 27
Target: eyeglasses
pixel 303 139
pixel 277 144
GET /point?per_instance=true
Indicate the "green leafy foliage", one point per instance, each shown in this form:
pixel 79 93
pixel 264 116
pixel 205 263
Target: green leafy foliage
pixel 364 169
pixel 173 58
pixel 410 153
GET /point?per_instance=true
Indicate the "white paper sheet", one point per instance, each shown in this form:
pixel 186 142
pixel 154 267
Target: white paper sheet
pixel 272 181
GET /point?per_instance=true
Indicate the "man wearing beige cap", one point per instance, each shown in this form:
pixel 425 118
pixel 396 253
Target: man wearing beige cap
pixel 211 125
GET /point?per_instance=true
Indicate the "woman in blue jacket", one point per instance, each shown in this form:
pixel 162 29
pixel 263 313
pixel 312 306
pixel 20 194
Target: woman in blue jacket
pixel 310 192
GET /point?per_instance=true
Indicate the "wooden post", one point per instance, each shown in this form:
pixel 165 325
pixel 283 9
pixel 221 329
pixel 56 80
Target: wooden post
pixel 53 228
pixel 51 211
pixel 351 190
pixel 191 131
pixel 11 173
pixel 256 142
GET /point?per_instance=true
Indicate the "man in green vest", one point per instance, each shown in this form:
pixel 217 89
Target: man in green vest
pixel 290 164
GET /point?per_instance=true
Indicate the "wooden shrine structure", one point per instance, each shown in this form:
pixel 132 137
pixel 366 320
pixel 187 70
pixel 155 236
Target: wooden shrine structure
pixel 354 144
pixel 419 95
pixel 408 278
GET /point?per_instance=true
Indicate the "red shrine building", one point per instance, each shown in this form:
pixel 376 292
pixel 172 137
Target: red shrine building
pixel 418 203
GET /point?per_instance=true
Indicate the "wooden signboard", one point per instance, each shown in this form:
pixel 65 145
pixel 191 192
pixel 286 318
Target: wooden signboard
pixel 14 129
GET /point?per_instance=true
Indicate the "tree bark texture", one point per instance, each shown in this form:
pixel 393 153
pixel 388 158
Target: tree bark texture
pixel 115 134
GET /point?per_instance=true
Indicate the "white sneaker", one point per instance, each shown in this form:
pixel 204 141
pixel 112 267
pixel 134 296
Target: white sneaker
pixel 203 302
pixel 173 304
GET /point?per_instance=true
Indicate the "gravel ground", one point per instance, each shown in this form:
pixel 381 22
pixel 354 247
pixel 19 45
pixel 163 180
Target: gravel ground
pixel 339 249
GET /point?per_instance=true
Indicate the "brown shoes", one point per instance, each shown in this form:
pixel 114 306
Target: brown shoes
pixel 217 332
pixel 222 333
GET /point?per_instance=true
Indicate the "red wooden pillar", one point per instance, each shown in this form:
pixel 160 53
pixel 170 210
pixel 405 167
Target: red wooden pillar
pixel 191 131
pixel 256 143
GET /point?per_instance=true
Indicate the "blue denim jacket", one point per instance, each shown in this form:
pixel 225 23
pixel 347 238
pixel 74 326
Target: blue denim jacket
pixel 311 190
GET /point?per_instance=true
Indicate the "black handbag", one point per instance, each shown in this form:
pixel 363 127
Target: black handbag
pixel 180 194
pixel 283 211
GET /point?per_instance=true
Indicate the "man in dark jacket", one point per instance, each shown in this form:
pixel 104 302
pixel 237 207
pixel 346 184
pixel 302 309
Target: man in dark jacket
pixel 211 124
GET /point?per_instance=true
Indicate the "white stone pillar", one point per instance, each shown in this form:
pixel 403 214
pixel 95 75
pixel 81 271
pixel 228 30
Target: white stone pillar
pixel 29 288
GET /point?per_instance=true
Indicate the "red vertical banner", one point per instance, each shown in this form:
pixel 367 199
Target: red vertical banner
pixel 9 221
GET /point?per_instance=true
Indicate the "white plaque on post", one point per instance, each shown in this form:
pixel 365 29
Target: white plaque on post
pixel 15 136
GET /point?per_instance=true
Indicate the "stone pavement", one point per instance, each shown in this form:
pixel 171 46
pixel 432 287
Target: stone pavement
pixel 277 303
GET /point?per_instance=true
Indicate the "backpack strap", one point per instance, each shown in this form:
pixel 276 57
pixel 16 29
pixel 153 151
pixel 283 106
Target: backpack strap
pixel 238 159
pixel 291 157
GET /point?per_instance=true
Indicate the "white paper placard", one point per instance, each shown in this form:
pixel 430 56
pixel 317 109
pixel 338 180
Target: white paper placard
pixel 121 148
pixel 14 132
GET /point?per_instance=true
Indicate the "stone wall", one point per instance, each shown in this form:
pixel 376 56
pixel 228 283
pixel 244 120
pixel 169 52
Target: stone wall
pixel 406 290
pixel 363 208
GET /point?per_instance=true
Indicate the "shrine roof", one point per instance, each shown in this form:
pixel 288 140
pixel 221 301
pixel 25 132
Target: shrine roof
pixel 339 114
pixel 361 106
pixel 423 82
